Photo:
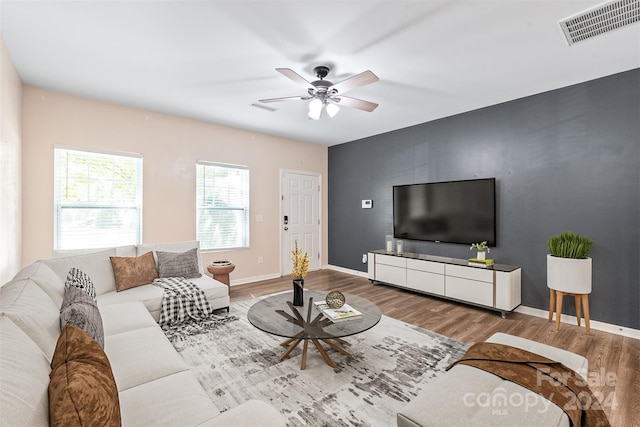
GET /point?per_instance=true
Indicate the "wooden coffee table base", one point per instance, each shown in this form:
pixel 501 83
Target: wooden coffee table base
pixel 311 330
pixel 293 343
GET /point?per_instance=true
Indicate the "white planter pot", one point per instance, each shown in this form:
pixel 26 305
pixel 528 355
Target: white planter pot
pixel 569 275
pixel 481 255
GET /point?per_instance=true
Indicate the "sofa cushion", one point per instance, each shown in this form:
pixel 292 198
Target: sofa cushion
pixel 24 378
pixel 96 265
pixel 130 272
pixel 140 356
pixel 172 247
pixel 33 311
pixel 178 264
pixel 149 295
pixel 78 309
pixel 173 400
pixel 82 390
pixel 44 277
pixel 124 317
pixel 77 278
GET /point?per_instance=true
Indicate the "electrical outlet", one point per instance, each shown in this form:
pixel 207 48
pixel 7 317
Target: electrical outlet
pixel 364 258
pixel 260 260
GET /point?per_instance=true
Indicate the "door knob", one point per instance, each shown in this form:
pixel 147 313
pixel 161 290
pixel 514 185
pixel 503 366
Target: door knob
pixel 286 229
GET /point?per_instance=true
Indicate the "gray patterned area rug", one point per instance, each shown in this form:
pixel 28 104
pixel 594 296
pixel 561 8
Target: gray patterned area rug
pixel 390 364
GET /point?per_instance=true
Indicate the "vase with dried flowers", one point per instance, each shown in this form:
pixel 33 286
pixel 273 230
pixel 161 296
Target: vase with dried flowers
pixel 300 262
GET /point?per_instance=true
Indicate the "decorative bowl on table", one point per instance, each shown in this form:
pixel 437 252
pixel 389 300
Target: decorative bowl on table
pixel 221 263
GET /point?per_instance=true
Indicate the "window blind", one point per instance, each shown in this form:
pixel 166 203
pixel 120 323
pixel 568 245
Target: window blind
pixel 222 198
pixel 98 199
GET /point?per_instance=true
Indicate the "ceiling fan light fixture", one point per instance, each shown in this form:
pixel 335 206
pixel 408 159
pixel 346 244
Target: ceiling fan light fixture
pixel 325 95
pixel 315 109
pixel 332 109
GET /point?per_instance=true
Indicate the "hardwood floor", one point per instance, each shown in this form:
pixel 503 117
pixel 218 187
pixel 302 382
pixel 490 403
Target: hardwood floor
pixel 614 360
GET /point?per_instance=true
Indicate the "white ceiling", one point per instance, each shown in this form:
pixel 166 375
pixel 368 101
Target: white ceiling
pixel 211 60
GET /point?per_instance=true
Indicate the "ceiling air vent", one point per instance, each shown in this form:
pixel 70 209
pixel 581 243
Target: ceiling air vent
pixel 601 19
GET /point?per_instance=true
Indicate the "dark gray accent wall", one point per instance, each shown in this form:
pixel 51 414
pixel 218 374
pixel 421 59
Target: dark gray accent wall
pixel 568 159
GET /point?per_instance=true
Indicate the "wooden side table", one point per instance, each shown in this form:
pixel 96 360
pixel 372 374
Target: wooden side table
pixel 221 273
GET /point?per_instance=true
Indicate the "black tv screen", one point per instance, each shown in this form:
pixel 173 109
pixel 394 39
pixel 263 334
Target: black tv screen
pixel 451 212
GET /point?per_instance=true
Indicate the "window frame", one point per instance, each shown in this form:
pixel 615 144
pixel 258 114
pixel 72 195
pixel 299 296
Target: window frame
pixel 244 207
pixel 60 205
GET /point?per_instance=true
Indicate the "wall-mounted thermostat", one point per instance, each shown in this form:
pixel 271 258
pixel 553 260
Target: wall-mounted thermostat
pixel 367 204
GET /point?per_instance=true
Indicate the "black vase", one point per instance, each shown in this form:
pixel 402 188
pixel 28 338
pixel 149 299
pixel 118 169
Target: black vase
pixel 298 292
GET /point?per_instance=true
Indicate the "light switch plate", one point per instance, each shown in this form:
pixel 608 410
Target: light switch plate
pixel 367 204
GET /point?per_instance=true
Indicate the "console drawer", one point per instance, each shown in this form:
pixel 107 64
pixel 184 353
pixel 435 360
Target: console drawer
pixel 395 261
pixel 429 266
pixel 391 274
pixel 425 281
pixel 471 273
pixel 469 290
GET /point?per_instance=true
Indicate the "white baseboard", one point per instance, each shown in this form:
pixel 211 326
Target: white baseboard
pixel 254 279
pixel 572 320
pixel 347 271
pixel 594 324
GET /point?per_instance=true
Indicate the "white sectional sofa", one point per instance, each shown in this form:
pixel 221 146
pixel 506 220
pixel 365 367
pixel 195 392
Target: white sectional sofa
pixel 467 396
pixel 154 385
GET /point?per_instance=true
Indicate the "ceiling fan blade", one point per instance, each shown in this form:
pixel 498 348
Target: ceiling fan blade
pixel 347 101
pixel 362 79
pixel 286 98
pixel 292 75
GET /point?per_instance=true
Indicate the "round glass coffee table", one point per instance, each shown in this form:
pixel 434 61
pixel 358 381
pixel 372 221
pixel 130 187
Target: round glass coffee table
pixel 277 315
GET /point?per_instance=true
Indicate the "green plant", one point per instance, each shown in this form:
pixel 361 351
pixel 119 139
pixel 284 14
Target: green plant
pixel 569 245
pixel 482 247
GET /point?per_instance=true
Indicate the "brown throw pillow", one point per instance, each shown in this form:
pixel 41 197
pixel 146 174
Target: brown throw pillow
pixel 82 390
pixel 134 271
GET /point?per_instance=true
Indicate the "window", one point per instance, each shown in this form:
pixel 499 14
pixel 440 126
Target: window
pixel 222 198
pixel 98 199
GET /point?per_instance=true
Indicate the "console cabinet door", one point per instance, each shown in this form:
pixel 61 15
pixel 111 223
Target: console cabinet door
pixel 393 275
pixel 426 282
pixel 425 276
pixel 470 284
pixel 391 269
pixel 469 290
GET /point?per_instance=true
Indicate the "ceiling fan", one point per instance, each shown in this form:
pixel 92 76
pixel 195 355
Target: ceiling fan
pixel 325 95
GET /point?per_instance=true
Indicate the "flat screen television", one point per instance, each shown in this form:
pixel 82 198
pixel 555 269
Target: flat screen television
pixel 451 212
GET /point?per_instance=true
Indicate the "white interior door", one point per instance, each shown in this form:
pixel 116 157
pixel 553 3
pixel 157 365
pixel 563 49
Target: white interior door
pixel 300 218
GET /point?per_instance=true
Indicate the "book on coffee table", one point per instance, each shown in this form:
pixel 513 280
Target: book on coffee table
pixel 346 312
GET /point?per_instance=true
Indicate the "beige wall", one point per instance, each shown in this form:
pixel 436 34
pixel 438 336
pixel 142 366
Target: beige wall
pixel 170 147
pixel 10 166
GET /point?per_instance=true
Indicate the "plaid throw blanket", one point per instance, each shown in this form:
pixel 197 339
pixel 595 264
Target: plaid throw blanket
pixel 182 300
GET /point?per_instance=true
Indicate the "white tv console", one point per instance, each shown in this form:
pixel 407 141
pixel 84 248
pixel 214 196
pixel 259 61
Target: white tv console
pixel 496 288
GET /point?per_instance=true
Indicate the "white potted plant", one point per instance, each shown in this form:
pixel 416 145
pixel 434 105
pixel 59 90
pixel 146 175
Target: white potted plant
pixel 569 264
pixel 482 249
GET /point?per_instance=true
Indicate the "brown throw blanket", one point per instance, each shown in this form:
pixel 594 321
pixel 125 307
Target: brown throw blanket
pixel 550 379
